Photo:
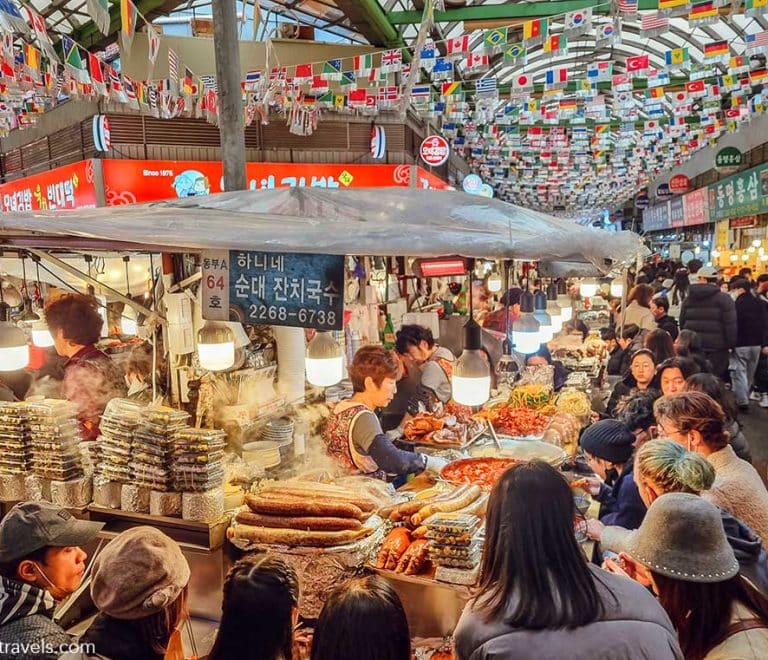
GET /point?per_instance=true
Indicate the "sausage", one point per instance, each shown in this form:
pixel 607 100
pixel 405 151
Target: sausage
pixel 295 506
pixel 406 509
pixel 363 502
pixel 308 523
pixel 477 508
pixel 296 537
pixel 463 497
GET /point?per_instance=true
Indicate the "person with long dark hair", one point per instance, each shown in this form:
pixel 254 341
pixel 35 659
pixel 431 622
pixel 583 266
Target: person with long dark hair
pixel 538 597
pixel 673 372
pixel 639 307
pixel 715 388
pixel 259 610
pixel 641 377
pixel 659 342
pixel 679 290
pixel 682 552
pixel 688 345
pixel 362 618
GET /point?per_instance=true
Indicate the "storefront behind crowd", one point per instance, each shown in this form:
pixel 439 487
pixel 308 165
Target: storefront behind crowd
pixel 259 425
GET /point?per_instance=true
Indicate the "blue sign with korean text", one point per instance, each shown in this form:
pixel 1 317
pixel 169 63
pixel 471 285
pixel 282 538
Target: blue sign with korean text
pixel 294 290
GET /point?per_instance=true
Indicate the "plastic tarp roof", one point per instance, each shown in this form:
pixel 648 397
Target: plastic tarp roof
pixel 381 221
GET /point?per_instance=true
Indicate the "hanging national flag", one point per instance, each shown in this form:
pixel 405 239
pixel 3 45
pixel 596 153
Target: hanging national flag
pixel 652 25
pixel 676 57
pixel 628 6
pixel 673 7
pixel 755 7
pixel 637 65
pixel 331 70
pixel 696 88
pixel 428 55
pixel 116 86
pixel 459 47
pixel 556 44
pixel 362 64
pixel 420 93
pixel 450 89
pixel 494 40
pixel 703 13
pixel 486 87
pixel 599 71
pixel 153 43
pixel 98 10
pixel 555 78
pixel 130 92
pixel 477 62
pixel 38 25
pixel 514 52
pixel 443 69
pixel 31 58
pixel 738 64
pixel 97 75
pixel 187 87
pixel 303 73
pixel 577 22
pixel 758 77
pixel 679 97
pixel 252 80
pixel 534 32
pixel 389 93
pixel 654 93
pixel 173 67
pixel 392 60
pixel 757 42
pixel 348 81
pixel 319 84
pixel 72 59
pixel 357 98
pixel 607 34
pixel 128 17
pixel 11 17
pixel 716 50
pixel 621 82
pixel 522 83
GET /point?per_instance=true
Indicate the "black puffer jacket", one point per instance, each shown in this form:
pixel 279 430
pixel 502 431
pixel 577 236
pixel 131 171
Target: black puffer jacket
pixel 712 315
pixel 752 317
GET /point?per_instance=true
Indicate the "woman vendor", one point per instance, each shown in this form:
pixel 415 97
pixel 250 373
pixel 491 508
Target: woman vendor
pixel 91 379
pixel 353 435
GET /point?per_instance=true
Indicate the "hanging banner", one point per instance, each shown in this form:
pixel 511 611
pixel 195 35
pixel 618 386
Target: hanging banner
pixel 656 217
pixel 679 183
pixel 286 289
pixel 676 212
pixel 68 187
pixel 745 193
pixel 696 207
pixel 743 222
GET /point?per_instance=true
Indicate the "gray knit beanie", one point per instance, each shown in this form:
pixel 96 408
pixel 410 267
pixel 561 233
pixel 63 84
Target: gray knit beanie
pixel 610 440
pixel 682 537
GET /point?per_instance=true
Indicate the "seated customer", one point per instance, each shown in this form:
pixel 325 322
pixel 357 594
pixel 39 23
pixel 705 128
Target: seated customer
pixel 539 598
pixel 140 589
pixel 697 422
pixel 630 340
pixel 636 413
pixel 673 372
pixel 641 377
pixel 609 446
pixel 41 563
pixel 542 358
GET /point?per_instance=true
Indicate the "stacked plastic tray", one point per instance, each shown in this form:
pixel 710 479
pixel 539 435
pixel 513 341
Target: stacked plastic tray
pixel 198 460
pixel 115 447
pixel 55 437
pixel 15 444
pixel 153 447
pixel 454 540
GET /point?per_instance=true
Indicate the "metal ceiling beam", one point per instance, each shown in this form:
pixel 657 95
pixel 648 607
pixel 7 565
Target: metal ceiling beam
pixel 517 10
pixel 371 21
pixel 89 35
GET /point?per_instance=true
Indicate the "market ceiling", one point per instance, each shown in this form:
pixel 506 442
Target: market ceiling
pixel 592 136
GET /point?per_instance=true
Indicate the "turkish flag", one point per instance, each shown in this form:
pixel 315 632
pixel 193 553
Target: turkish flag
pixel 637 63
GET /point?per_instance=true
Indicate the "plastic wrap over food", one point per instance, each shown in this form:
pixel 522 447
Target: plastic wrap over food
pixel 207 507
pixel 107 494
pixel 36 488
pixel 134 498
pixel 164 504
pixel 381 221
pixel 72 494
pixel 11 488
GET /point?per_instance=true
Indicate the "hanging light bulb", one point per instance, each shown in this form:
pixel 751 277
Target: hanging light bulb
pixel 494 282
pixel 751 249
pixel 471 379
pixel 734 257
pixel 761 251
pixel 324 360
pixel 745 257
pixel 41 335
pixel 588 288
pixel 564 301
pixel 553 309
pixel 715 254
pixel 764 257
pixel 525 332
pixel 617 288
pixel 697 250
pixel 14 352
pixel 546 331
pixel 215 347
pixel 757 243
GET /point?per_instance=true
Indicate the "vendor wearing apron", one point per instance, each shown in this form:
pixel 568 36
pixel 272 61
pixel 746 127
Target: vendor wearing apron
pixel 436 363
pixel 353 435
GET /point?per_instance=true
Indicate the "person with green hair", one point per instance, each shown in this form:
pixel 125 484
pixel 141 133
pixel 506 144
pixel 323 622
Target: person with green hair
pixel 664 466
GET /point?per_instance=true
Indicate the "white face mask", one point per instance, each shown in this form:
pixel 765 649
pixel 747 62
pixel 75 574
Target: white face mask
pixel 135 386
pixel 735 294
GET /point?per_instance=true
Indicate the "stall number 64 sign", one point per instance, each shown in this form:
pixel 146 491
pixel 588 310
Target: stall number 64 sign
pixel 435 150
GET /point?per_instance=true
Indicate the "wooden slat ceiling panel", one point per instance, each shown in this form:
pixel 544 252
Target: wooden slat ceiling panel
pixel 330 135
pixel 65 142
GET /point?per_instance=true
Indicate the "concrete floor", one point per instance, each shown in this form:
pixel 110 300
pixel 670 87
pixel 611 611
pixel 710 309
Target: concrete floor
pixel 755 426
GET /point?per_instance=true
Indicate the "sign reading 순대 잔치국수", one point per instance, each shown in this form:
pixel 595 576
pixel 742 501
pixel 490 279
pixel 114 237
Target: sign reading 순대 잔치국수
pixel 294 290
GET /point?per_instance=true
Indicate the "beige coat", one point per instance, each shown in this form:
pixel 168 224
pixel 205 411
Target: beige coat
pixel 739 490
pixel 640 316
pixel 746 645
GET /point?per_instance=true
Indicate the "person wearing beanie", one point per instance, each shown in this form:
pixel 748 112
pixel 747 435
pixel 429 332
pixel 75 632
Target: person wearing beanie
pixel 682 553
pixel 41 562
pixel 608 446
pixel 139 586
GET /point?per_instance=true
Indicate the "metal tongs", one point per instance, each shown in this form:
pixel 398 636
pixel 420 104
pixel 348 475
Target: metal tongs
pixel 493 435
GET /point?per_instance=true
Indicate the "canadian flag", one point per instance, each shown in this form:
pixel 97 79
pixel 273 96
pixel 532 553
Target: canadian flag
pixel 459 45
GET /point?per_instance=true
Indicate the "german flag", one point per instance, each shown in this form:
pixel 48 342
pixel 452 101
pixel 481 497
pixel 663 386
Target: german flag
pixel 716 49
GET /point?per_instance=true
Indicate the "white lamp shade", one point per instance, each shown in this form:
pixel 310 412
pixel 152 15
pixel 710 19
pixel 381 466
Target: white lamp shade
pixel 566 306
pixel 588 288
pixel 128 325
pixel 494 283
pixel 42 337
pixel 553 309
pixel 617 288
pixel 471 381
pixel 14 352
pixel 215 347
pixel 525 334
pixel 324 361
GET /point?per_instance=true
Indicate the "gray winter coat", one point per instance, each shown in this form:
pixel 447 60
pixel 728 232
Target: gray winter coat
pixel 634 627
pixel 27 629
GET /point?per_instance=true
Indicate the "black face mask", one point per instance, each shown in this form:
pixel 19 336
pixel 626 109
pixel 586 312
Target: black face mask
pixel 611 475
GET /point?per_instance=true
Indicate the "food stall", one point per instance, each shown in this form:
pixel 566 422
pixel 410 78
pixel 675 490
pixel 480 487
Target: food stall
pixel 244 444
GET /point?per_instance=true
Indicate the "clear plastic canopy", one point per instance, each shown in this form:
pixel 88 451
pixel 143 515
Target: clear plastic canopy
pixel 381 221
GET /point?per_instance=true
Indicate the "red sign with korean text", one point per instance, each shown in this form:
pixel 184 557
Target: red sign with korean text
pixel 696 207
pixel 679 183
pixel 435 150
pixel 68 187
pixel 136 181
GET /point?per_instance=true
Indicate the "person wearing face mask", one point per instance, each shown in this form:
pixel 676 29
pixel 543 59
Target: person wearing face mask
pixel 91 379
pixel 641 377
pixel 751 336
pixel 353 435
pixel 609 447
pixel 41 563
